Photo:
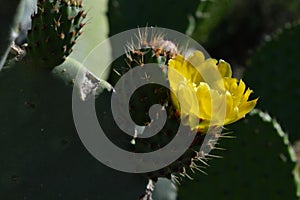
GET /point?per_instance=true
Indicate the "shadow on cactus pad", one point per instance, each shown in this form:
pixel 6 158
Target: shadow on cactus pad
pixel 258 164
pixel 273 74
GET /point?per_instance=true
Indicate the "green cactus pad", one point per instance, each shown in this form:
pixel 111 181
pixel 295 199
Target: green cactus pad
pixel 258 164
pixel 55 27
pixel 273 75
pixel 41 154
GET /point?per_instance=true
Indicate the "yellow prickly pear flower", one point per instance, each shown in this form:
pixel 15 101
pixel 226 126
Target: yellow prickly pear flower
pixel 203 89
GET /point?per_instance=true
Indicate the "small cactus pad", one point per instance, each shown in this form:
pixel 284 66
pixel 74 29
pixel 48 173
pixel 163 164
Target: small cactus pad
pixel 55 27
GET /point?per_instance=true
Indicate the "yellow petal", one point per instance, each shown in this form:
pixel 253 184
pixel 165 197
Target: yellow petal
pixel 224 69
pixel 196 58
pixel 218 107
pixel 245 97
pixel 241 88
pixel 187 98
pixel 193 61
pixel 247 107
pixel 210 73
pixel 184 68
pixel 204 99
pixel 229 106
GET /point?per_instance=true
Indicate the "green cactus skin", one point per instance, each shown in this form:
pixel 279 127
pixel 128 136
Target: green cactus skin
pixel 41 154
pixel 258 164
pixel 55 27
pixel 273 74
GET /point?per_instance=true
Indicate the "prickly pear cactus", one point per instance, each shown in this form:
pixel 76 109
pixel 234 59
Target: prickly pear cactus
pixel 273 74
pixel 55 27
pixel 260 164
pixel 43 157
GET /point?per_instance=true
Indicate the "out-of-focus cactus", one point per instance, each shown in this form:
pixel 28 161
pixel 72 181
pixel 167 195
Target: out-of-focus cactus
pixel 10 14
pixel 25 23
pixel 259 164
pixel 94 33
pixel 168 14
pixel 209 13
pixel 273 72
pixel 242 25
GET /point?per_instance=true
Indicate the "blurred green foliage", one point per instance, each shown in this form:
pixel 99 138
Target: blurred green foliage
pixel 234 28
pixel 172 14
